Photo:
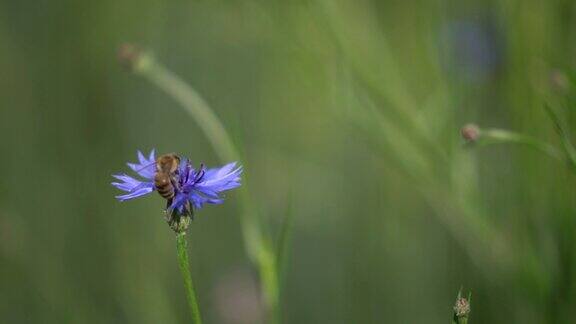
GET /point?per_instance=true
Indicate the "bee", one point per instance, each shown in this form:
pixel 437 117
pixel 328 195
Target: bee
pixel 165 178
pixel 166 183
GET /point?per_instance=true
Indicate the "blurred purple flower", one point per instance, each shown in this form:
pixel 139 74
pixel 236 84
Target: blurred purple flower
pixel 193 187
pixel 473 48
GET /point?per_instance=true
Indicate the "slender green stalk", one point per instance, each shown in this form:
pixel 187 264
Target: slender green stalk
pixel 194 105
pixel 500 136
pixel 259 249
pixel 461 320
pixel 562 131
pixel 185 269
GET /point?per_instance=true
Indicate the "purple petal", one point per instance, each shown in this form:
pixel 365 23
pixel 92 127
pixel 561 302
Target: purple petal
pixel 146 171
pixel 141 158
pixel 178 201
pixel 138 193
pixel 223 179
pixel 146 168
pixel 215 172
pixel 128 183
pixel 132 186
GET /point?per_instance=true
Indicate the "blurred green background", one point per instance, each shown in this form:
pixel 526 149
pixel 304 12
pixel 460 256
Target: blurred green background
pixel 348 114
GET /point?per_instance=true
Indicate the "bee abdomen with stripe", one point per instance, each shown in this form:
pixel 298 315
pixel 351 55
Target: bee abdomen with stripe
pixel 164 185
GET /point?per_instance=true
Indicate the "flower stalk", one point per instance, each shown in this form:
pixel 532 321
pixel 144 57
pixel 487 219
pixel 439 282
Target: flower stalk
pixel 484 137
pixel 562 130
pixel 181 245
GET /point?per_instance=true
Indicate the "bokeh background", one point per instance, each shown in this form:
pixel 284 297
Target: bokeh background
pixel 348 115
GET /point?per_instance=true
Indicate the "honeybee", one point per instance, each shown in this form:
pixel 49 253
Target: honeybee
pixel 165 177
pixel 166 183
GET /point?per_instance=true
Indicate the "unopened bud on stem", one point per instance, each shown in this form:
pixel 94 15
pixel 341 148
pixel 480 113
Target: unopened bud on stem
pixel 461 309
pixel 470 132
pixel 132 57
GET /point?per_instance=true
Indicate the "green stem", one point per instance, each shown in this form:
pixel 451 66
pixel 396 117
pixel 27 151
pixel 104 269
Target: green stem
pixel 258 248
pixel 185 269
pixel 195 105
pixel 461 320
pixel 500 136
pixel 562 130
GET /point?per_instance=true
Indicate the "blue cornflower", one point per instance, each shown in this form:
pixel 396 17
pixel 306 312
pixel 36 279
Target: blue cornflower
pixel 192 187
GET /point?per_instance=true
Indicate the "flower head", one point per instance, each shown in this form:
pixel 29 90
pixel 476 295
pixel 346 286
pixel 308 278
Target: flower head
pixel 193 187
pixel 462 307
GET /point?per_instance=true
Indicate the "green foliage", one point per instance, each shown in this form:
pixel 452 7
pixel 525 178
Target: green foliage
pixel 352 106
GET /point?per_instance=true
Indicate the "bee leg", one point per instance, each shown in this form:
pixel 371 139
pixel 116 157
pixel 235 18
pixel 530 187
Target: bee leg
pixel 175 183
pixel 169 213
